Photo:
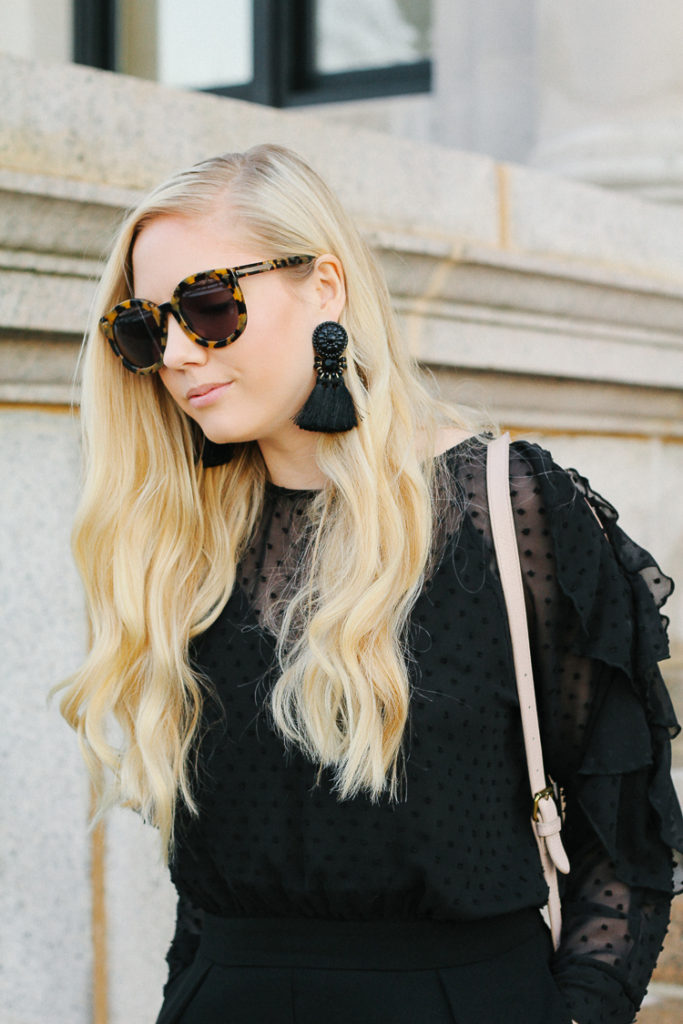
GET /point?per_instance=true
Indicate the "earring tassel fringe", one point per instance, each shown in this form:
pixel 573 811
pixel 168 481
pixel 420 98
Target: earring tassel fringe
pixel 329 409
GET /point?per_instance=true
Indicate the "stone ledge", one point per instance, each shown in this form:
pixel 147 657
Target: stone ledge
pixel 52 117
pixel 59 216
pixel 495 339
pixel 481 313
pixel 53 304
pixel 49 263
pixel 493 269
pixel 526 403
pixel 69 188
pixel 40 370
pixel 551 216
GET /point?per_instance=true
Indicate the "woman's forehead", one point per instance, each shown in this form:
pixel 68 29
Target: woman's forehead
pixel 170 247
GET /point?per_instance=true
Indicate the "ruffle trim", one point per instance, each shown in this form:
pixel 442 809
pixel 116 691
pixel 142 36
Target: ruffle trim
pixel 624 785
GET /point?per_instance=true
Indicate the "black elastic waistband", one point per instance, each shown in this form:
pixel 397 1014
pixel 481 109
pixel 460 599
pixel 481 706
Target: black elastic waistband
pixel 391 944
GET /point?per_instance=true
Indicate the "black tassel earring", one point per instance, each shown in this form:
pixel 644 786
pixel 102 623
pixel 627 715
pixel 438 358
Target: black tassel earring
pixel 329 408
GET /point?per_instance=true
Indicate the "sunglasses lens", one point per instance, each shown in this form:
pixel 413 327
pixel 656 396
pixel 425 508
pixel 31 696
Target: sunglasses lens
pixel 210 309
pixel 138 337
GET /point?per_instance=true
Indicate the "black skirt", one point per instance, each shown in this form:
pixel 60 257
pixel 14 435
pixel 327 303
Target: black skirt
pixel 304 971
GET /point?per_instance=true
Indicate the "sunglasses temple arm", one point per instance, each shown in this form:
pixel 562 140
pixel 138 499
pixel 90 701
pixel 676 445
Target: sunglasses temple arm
pixel 277 264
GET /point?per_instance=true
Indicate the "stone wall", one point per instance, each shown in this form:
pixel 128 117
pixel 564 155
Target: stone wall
pixel 557 305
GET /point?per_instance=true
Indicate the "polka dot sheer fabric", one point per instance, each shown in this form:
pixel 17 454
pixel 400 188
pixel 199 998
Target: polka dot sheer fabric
pixel 458 845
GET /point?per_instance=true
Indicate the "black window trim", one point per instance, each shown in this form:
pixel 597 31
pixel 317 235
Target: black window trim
pixel 284 58
pixel 94 33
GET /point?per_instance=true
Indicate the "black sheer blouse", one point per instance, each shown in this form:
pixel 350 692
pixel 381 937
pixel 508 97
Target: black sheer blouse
pixel 458 845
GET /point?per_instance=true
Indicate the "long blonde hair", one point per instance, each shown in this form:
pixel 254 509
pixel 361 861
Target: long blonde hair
pixel 157 537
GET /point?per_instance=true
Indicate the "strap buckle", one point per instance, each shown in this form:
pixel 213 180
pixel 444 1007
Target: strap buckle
pixel 543 794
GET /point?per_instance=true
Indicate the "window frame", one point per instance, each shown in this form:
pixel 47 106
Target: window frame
pixel 94 33
pixel 284 75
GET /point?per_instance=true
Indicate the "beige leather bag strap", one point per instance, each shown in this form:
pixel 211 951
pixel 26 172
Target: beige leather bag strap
pixel 546 821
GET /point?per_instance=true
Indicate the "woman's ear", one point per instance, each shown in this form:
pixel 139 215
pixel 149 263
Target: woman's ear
pixel 330 285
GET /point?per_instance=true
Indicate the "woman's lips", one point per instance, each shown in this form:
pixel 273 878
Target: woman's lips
pixel 205 394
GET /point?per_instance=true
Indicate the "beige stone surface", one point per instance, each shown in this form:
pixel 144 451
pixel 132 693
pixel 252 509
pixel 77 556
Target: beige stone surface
pixel 56 303
pixel 514 341
pixel 413 116
pixel 41 29
pixel 485 87
pixel 670 965
pixel 662 1006
pixel 44 872
pixel 574 406
pixel 149 131
pixel 141 904
pixel 38 371
pixel 49 214
pixel 492 269
pixel 610 94
pixel 517 312
pixel 557 218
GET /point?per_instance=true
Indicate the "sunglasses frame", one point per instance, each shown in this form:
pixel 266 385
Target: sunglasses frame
pixel 226 275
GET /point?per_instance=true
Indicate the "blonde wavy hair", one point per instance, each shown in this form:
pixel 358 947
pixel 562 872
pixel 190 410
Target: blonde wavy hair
pixel 158 537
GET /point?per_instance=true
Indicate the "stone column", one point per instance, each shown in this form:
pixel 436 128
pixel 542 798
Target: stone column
pixel 40 29
pixel 611 94
pixel 138 27
pixel 484 68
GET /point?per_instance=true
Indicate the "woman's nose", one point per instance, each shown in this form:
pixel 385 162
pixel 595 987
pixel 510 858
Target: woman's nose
pixel 180 349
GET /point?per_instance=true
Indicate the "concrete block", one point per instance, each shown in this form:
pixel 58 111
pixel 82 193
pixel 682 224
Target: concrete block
pixel 530 402
pixel 386 179
pixel 54 215
pixel 558 219
pixel 140 919
pixel 44 872
pixel 57 304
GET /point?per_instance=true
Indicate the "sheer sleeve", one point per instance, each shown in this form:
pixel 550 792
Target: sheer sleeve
pixel 607 721
pixel 188 930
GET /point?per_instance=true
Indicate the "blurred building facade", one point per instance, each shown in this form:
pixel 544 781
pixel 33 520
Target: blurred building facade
pixel 518 168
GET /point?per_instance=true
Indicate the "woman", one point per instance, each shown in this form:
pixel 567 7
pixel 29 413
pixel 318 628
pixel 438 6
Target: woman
pixel 298 627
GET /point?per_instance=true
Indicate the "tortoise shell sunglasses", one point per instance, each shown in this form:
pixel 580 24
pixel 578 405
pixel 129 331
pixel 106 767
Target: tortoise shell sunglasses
pixel 209 306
